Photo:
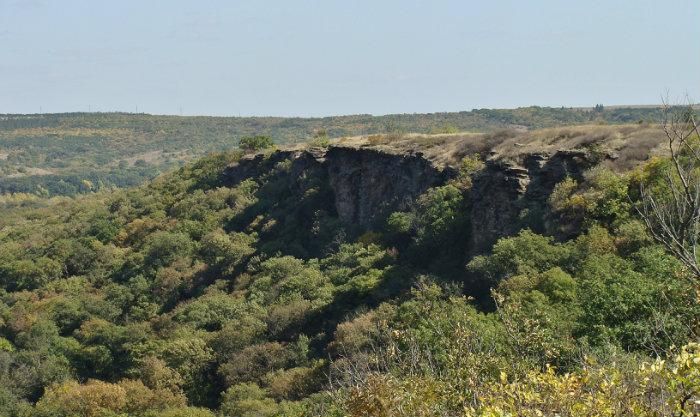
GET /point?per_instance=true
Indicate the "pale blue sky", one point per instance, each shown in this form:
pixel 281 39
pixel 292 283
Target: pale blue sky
pixel 300 58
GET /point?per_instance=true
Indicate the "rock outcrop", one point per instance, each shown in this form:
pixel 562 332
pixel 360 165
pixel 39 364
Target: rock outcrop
pixel 507 196
pixel 370 184
pixel 367 184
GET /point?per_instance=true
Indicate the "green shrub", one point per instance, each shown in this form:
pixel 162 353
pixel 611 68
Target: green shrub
pixel 255 143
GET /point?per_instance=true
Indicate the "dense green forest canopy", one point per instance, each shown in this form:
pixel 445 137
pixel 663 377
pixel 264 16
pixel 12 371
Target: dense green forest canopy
pixel 73 153
pixel 192 295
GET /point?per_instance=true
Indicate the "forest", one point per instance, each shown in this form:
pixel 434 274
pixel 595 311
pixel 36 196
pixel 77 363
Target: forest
pixel 255 285
pixel 77 153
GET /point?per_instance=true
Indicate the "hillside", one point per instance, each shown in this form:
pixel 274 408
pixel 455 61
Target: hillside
pixel 503 273
pixel 68 154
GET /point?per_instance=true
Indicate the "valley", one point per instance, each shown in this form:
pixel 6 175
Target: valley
pixel 381 274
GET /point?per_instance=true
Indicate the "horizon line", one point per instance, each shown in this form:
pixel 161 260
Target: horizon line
pixel 612 106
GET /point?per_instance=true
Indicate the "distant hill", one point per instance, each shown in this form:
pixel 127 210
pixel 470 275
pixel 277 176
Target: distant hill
pixel 72 153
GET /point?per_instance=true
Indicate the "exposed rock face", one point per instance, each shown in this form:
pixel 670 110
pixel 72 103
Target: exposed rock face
pixel 254 166
pixel 496 203
pixel 506 196
pixel 367 184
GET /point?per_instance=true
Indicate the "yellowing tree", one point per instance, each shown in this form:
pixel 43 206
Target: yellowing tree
pixel 97 398
pixel 88 400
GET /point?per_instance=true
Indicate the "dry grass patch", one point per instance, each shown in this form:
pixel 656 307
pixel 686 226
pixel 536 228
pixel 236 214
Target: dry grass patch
pixel 631 143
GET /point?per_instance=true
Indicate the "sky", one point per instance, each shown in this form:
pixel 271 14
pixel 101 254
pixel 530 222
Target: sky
pixel 333 57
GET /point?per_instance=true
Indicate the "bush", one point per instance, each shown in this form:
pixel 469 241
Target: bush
pixel 255 143
pixel 247 400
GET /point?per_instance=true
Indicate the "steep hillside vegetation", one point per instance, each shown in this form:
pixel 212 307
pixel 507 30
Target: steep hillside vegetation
pixel 68 154
pixel 380 276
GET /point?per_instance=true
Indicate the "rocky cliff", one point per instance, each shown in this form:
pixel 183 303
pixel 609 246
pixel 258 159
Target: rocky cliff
pixel 367 184
pixel 507 196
